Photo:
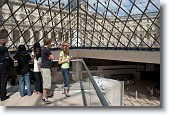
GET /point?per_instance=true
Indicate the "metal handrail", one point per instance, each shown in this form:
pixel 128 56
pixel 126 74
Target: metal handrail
pixel 99 93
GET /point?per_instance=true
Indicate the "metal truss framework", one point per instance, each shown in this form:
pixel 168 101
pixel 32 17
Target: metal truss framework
pixel 79 21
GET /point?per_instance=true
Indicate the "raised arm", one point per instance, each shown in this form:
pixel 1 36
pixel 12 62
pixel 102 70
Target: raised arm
pixel 51 57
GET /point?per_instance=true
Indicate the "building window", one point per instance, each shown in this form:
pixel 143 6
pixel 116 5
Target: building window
pixel 108 27
pixel 155 35
pixel 141 36
pixel 134 37
pixel 118 37
pixel 16 37
pixel 26 36
pixel 102 38
pixel 147 36
pixel 36 36
pixel 22 8
pixel 53 36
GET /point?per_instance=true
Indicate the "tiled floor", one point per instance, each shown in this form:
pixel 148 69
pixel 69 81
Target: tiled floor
pixel 137 95
pixel 58 99
pixel 141 100
pixel 76 99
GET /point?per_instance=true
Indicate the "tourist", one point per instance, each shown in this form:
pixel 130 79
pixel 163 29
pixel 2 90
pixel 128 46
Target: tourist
pixel 47 56
pixel 64 60
pixel 36 56
pixel 23 58
pixel 4 54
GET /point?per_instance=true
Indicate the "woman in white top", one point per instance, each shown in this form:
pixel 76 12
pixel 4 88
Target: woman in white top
pixel 36 56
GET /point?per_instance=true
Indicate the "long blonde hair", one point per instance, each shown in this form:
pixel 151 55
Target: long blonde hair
pixel 65 48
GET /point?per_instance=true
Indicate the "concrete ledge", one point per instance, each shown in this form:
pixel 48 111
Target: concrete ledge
pixel 119 55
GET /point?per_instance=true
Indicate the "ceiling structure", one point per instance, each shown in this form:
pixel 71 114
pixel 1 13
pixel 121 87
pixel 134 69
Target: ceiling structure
pixel 116 24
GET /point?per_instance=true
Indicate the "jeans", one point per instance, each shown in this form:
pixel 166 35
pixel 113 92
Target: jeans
pixel 24 80
pixel 38 81
pixel 66 75
pixel 3 81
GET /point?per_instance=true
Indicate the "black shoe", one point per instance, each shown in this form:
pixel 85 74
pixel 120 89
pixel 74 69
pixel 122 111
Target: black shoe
pixel 50 96
pixel 46 101
pixel 3 99
pixel 67 95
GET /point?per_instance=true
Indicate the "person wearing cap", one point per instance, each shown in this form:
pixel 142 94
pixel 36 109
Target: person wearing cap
pixel 3 70
pixel 64 60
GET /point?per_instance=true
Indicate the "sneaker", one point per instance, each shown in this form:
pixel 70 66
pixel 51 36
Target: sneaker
pixel 38 93
pixel 46 101
pixel 50 96
pixel 34 91
pixel 63 92
pixel 67 96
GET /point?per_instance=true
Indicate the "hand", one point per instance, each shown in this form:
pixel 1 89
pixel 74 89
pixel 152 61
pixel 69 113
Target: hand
pixel 50 58
pixel 66 60
pixel 71 57
pixel 33 54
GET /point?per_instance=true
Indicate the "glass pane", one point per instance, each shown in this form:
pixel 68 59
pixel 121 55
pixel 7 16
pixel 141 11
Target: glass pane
pixel 82 23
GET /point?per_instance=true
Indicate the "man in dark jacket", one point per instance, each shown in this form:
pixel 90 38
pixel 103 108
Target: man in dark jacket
pixel 4 54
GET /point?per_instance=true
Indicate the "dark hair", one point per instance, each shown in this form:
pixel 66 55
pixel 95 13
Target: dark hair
pixel 37 50
pixel 22 50
pixel 47 41
pixel 36 45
